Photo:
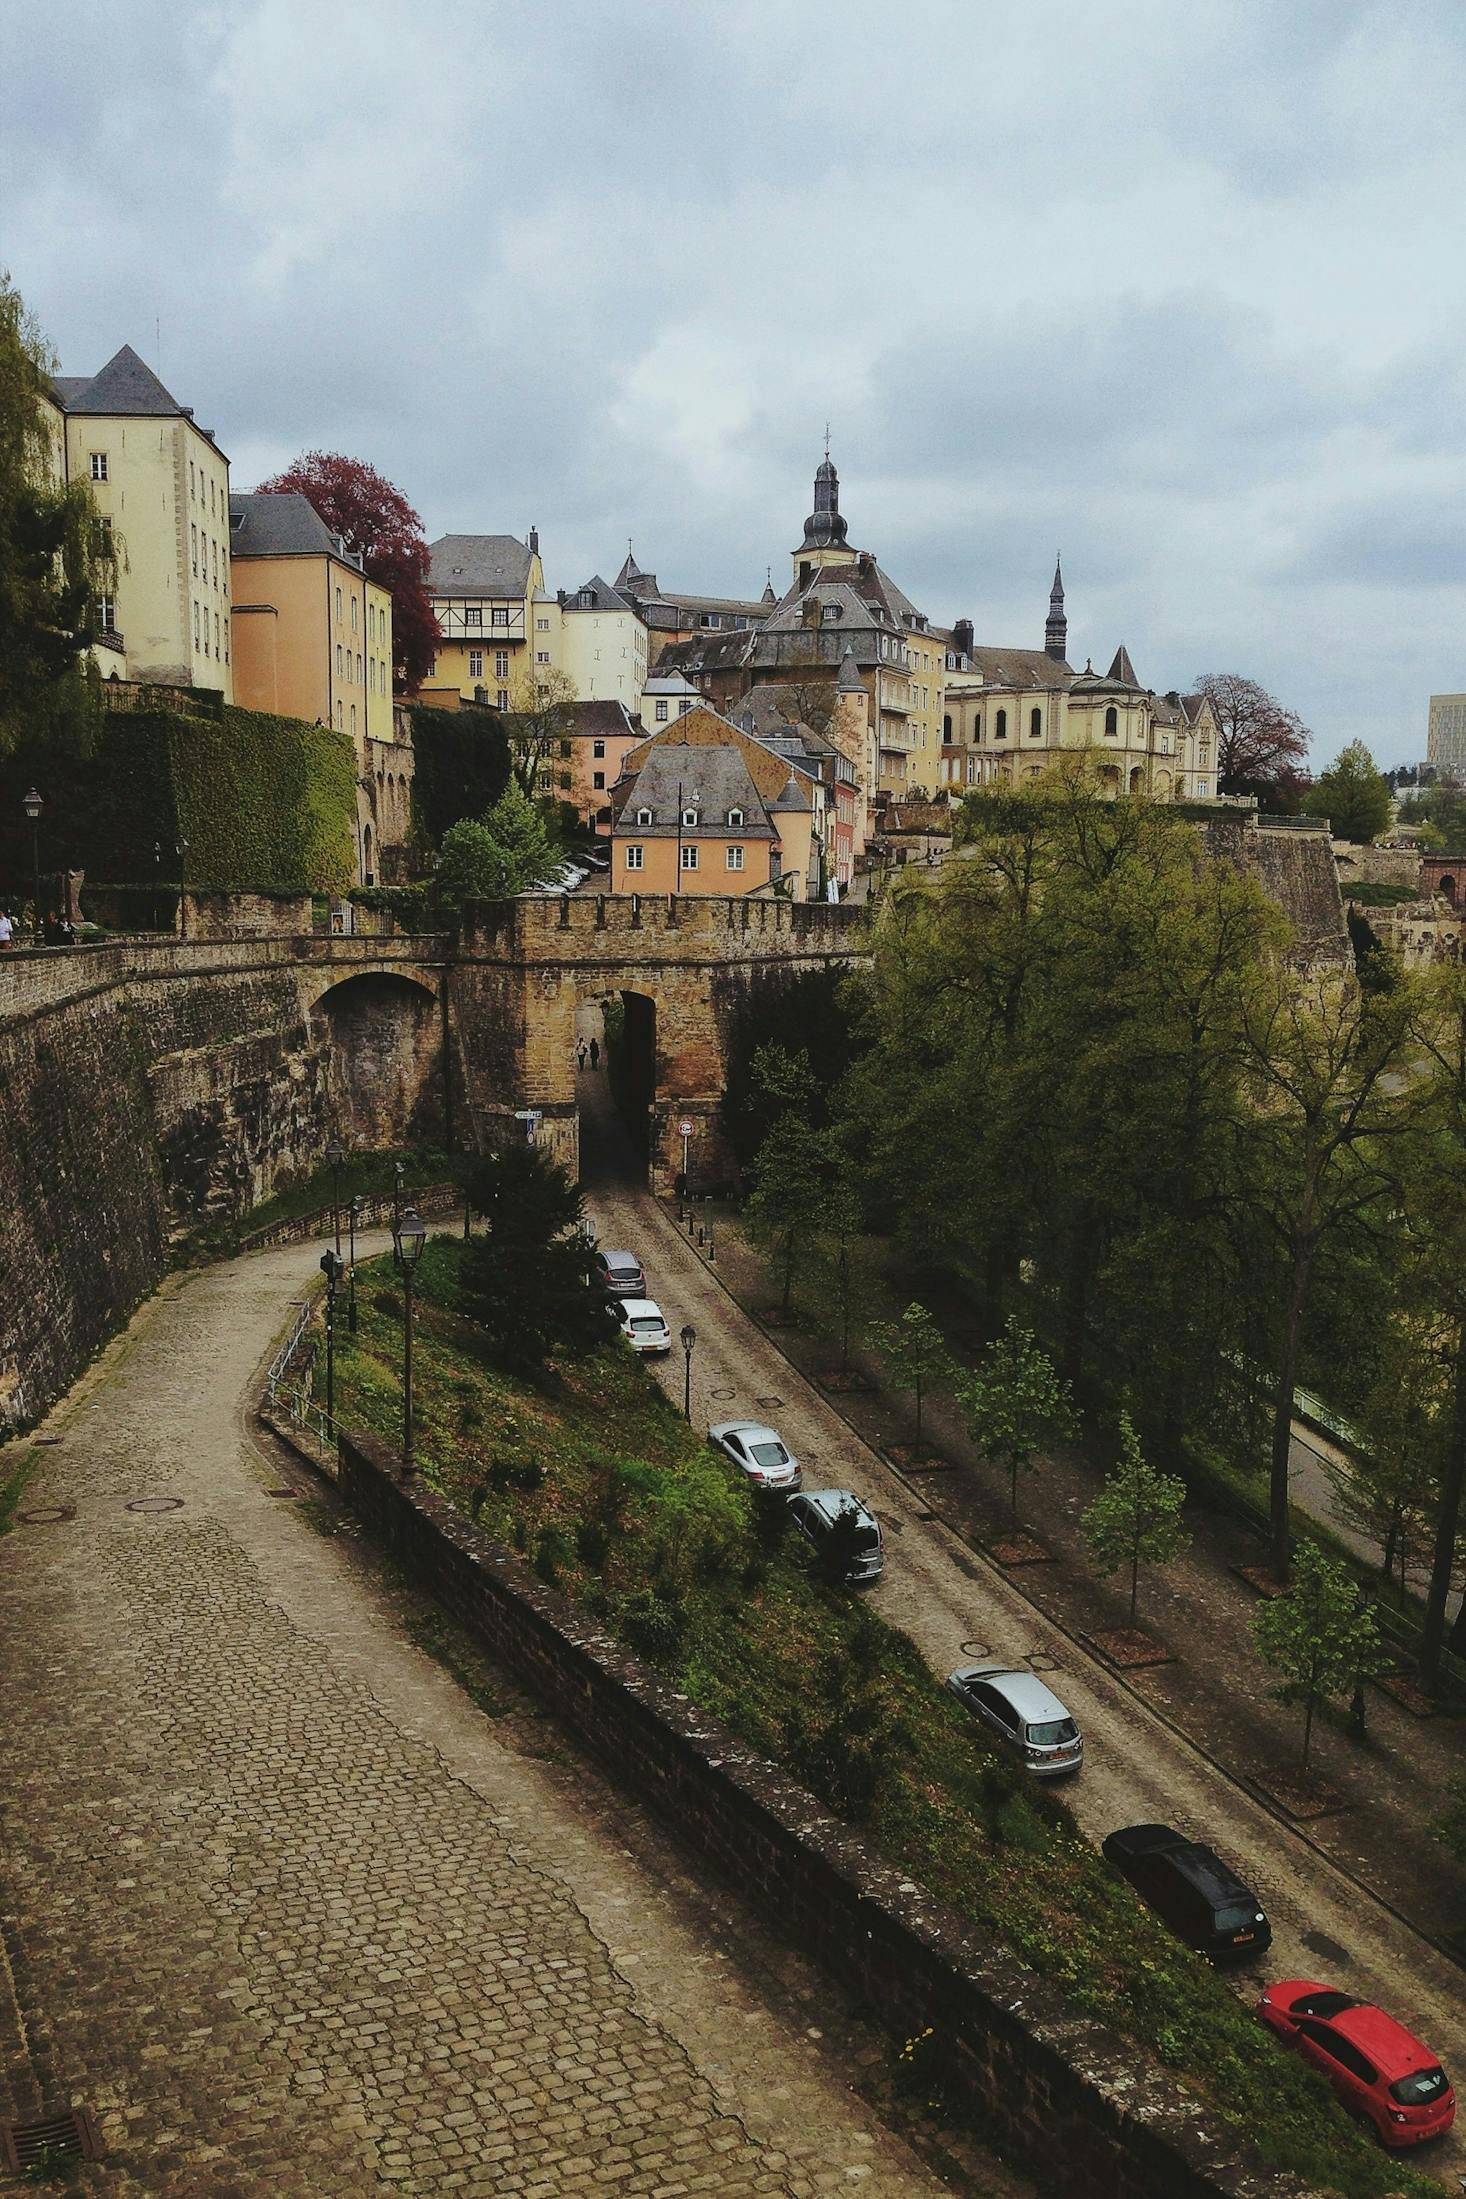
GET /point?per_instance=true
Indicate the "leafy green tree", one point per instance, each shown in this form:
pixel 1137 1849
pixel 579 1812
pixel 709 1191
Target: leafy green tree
pixel 787 1207
pixel 55 558
pixel 1137 1517
pixel 915 1351
pixel 1353 794
pixel 541 717
pixel 1014 1402
pixel 526 1278
pixel 505 852
pixel 1317 1633
pixel 1440 811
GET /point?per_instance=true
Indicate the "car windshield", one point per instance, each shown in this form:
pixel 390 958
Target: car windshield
pixel 1051 1731
pixel 1237 1916
pixel 768 1454
pixel 1420 2089
pixel 623 1273
pixel 863 1537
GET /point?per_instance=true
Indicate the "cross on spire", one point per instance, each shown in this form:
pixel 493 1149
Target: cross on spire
pixel 827 439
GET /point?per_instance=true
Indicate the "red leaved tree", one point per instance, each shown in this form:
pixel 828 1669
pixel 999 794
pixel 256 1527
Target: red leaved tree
pixel 1261 743
pixel 379 526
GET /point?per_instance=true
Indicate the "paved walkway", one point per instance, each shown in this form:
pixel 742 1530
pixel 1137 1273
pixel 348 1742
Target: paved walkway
pixel 282 1909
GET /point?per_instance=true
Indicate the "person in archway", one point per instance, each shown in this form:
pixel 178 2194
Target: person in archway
pixel 595 1053
pixel 580 1053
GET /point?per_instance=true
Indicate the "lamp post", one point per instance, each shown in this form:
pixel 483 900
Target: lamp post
pixel 353 1216
pixel 688 1339
pixel 331 1269
pixel 182 847
pixel 336 1154
pixel 399 1170
pixel 32 804
pixel 409 1235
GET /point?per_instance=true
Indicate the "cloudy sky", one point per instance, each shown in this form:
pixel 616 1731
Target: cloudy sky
pixel 1182 290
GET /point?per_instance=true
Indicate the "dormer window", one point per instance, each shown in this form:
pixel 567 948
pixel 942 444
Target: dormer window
pixel 643 816
pixel 689 816
pixel 735 816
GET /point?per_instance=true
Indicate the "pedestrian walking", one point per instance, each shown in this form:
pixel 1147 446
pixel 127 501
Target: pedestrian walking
pixel 595 1053
pixel 7 931
pixel 580 1053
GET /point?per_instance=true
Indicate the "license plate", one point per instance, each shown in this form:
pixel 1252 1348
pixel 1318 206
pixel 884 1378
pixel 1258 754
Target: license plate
pixel 1240 1939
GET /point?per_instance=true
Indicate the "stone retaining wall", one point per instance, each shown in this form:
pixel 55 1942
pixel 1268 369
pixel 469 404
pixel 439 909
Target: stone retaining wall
pixel 1085 2113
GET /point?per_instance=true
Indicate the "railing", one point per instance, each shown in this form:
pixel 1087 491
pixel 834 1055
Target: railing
pixel 287 1392
pixel 1268 823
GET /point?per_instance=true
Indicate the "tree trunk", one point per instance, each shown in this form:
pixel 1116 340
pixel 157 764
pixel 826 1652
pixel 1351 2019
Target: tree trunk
pixel 1387 1562
pixel 1280 1537
pixel 918 1413
pixel 1308 1726
pixel 1453 1478
pixel 1134 1582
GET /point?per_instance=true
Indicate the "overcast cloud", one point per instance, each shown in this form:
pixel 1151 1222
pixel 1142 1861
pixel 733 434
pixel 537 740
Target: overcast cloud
pixel 1181 290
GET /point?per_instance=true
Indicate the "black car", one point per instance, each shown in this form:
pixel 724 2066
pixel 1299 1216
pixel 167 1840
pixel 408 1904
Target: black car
pixel 1192 1890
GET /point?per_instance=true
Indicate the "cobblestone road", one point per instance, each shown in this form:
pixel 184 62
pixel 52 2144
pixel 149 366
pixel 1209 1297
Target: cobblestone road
pixel 281 1909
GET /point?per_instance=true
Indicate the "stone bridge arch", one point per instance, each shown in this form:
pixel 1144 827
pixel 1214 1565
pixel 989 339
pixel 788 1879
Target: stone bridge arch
pixel 381 1030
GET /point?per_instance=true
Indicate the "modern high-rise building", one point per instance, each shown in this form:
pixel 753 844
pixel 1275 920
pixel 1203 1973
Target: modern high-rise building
pixel 1445 745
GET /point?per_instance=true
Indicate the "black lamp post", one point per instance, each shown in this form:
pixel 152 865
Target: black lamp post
pixel 353 1216
pixel 336 1154
pixel 409 1235
pixel 32 804
pixel 399 1170
pixel 688 1339
pixel 331 1269
pixel 182 847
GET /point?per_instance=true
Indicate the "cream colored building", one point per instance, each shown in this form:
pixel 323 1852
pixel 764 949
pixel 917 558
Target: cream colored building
pixel 161 487
pixel 598 641
pixel 498 630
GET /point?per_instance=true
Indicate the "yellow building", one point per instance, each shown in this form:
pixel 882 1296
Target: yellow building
pixel 161 487
pixel 498 630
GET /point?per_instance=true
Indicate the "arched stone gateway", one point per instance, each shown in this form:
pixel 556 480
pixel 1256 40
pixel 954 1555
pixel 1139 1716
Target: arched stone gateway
pixel 383 1034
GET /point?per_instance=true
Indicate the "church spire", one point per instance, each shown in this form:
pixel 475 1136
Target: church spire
pixel 825 526
pixel 1056 626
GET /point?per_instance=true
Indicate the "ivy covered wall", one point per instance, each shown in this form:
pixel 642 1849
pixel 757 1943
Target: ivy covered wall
pixel 261 801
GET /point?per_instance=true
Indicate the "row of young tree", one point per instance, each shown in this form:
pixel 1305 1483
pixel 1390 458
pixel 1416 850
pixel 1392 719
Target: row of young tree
pixel 1088 1083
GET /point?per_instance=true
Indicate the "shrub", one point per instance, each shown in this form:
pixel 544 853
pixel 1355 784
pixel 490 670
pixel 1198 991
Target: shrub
pixel 652 1623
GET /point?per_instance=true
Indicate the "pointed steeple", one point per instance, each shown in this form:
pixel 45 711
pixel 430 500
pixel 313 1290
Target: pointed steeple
pixel 630 574
pixel 768 595
pixel 849 681
pixel 825 529
pixel 1122 669
pixel 1056 626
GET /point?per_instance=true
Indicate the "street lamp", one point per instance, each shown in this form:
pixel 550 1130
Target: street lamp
pixel 182 849
pixel 688 1339
pixel 409 1235
pixel 399 1170
pixel 32 804
pixel 353 1216
pixel 336 1154
pixel 331 1269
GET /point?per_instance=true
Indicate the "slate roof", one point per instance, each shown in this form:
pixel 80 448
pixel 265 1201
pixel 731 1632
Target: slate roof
pixel 1122 669
pixel 669 683
pixel 602 718
pixel 125 385
pixel 478 565
pixel 1019 668
pixel 717 776
pixel 284 525
pixel 606 597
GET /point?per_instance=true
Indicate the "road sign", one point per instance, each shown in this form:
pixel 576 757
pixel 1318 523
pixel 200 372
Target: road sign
pixel 684 1128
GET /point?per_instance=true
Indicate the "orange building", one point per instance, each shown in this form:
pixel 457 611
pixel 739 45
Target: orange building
pixel 790 791
pixel 690 820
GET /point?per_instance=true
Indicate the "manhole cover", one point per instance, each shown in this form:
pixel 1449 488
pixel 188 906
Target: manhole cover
pixel 1041 1660
pixel 155 1504
pixel 722 1393
pixel 44 1515
pixel 767 1402
pixel 977 1649
pixel 39 2147
pixel 1319 1943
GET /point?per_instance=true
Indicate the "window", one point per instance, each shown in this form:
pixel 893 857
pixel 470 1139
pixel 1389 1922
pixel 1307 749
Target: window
pixel 598 748
pixel 501 615
pixel 338 660
pixel 353 614
pixel 735 816
pixel 689 858
pixel 689 816
pixel 1201 786
pixel 371 622
pixel 542 656
pixel 634 859
pixel 684 707
pixel 211 496
pixel 598 780
pixel 216 634
pixel 193 547
pixel 340 715
pixel 190 481
pixel 1165 744
pixel 501 664
pixel 1000 726
pixel 643 816
pixel 1035 725
pixel 735 858
pixel 195 626
pixel 107 613
pixel 106 525
pixel 226 637
pixel 565 748
pixel 475 664
pixel 542 625
pixel 216 564
pixel 501 698
pixel 1112 721
pixel 353 721
pixel 99 465
pixel 661 713
pixel 473 615
pixel 338 612
pixel 947 728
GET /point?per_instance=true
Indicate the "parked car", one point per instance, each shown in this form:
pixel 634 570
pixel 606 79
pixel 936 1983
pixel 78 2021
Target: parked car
pixel 759 1452
pixel 643 1324
pixel 621 1273
pixel 594 860
pixel 1022 1713
pixel 1379 2070
pixel 1192 1890
pixel 822 1514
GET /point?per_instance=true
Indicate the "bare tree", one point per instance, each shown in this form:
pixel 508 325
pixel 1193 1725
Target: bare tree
pixel 541 716
pixel 1260 744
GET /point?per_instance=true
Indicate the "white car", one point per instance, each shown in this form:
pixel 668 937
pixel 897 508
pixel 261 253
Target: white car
pixel 759 1452
pixel 643 1324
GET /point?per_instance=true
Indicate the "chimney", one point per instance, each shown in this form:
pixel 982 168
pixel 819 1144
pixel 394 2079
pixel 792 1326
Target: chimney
pixel 962 637
pixel 534 541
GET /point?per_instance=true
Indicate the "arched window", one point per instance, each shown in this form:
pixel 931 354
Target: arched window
pixel 1112 720
pixel 1000 726
pixel 1035 725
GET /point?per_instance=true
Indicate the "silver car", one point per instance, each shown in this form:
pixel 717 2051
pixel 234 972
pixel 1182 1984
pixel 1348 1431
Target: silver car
pixel 1022 1713
pixel 759 1452
pixel 620 1273
pixel 818 1516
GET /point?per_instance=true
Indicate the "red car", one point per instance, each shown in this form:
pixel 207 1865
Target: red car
pixel 1377 2067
